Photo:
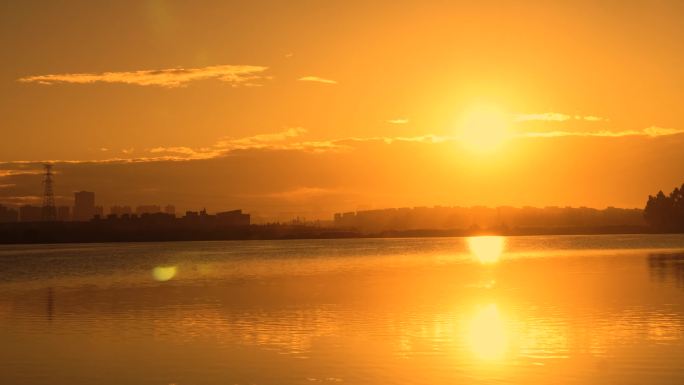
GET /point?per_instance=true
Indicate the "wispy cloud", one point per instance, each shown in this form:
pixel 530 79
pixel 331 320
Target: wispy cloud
pixel 317 79
pixel 261 139
pixel 556 117
pixel 287 139
pixel 21 200
pixel 20 171
pixel 180 150
pixel 301 193
pixel 290 139
pixel 398 121
pixel 282 140
pixel 392 139
pixel 547 117
pixel 661 131
pixel 236 75
pixel 652 132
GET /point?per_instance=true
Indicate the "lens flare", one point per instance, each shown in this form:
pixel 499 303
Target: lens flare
pixel 487 249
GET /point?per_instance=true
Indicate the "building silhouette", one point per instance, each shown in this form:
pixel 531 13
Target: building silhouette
pixel 147 209
pixel 120 210
pixel 63 213
pixel 84 206
pixel 8 214
pixel 170 209
pixel 442 218
pixel 29 213
pixel 233 218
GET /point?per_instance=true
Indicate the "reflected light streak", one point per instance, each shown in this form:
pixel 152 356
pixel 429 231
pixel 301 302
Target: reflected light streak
pixel 487 249
pixel 164 273
pixel 486 334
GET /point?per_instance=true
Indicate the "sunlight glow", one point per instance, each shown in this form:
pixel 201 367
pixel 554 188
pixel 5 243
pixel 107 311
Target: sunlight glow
pixel 487 249
pixel 164 273
pixel 487 335
pixel 484 129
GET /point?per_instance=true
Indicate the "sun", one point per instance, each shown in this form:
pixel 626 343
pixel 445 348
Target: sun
pixel 483 129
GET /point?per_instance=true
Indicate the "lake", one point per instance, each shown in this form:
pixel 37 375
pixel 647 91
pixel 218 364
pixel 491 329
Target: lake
pixel 483 310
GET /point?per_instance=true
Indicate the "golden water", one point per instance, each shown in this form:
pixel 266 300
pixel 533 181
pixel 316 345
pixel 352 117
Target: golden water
pixel 523 310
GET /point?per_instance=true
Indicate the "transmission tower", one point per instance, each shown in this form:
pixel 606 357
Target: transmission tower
pixel 49 209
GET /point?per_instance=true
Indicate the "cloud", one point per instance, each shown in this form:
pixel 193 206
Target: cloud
pixel 547 117
pixel 391 139
pixel 290 140
pixel 185 151
pixel 261 139
pixel 282 140
pixel 661 131
pixel 21 199
pixel 20 171
pixel 398 121
pixel 236 75
pixel 301 193
pixel 556 117
pixel 316 79
pixel 285 140
pixel 652 132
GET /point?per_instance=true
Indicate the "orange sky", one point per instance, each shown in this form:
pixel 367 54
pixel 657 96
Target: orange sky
pixel 306 108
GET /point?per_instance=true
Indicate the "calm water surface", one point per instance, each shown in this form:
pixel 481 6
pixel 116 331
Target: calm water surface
pixel 524 310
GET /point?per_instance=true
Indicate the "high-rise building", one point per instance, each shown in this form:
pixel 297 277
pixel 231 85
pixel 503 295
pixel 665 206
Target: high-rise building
pixel 84 205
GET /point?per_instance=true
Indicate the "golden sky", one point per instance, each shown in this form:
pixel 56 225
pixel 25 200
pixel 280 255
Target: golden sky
pixel 311 107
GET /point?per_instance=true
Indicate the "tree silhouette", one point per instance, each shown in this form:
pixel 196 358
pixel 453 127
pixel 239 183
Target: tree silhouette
pixel 666 212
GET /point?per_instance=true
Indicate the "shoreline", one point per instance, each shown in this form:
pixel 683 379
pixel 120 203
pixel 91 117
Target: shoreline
pixel 92 232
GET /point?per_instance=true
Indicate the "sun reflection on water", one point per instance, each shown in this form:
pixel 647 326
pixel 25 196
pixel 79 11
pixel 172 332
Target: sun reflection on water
pixel 164 273
pixel 486 334
pixel 487 249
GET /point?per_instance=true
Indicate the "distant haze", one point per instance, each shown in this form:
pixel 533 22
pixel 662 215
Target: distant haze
pixel 310 108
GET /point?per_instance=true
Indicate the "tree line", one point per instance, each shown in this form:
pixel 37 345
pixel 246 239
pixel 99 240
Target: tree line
pixel 666 212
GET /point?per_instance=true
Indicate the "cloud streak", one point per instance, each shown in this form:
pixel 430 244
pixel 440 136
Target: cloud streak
pixel 290 140
pixel 398 121
pixel 235 75
pixel 651 132
pixel 556 117
pixel 282 140
pixel 317 79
